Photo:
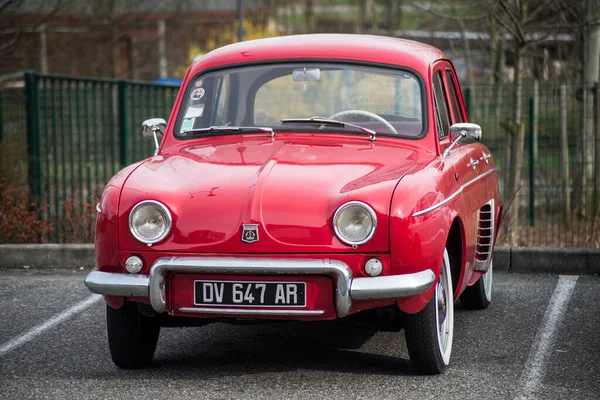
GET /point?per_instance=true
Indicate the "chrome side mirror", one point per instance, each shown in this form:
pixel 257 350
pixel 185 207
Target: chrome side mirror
pixel 467 132
pixel 463 133
pixel 154 127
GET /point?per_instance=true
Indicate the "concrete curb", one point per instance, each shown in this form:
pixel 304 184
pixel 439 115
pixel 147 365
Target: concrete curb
pixel 508 259
pixel 547 260
pixel 47 255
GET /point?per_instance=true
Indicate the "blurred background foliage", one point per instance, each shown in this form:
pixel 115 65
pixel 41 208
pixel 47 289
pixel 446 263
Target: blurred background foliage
pixel 529 71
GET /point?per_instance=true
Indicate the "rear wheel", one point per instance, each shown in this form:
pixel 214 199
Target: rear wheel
pixel 132 337
pixel 479 296
pixel 429 333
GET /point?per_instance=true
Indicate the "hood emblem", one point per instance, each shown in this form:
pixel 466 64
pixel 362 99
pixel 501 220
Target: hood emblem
pixel 249 233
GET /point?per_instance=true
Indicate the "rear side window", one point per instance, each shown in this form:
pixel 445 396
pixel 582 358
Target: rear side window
pixel 441 104
pixel 456 110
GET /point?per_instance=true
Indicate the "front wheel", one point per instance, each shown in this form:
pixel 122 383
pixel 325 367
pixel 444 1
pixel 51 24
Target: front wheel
pixel 429 332
pixel 479 296
pixel 132 336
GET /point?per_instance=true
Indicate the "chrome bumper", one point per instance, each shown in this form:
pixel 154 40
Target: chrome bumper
pixel 347 287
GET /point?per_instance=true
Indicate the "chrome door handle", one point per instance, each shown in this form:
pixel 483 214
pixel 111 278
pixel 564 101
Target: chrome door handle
pixel 474 163
pixel 486 157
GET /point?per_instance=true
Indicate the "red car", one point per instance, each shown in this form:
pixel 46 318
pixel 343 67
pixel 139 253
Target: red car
pixel 304 178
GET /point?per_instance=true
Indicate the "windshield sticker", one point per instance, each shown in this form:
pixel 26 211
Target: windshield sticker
pixel 197 94
pixel 194 111
pixel 198 84
pixel 187 125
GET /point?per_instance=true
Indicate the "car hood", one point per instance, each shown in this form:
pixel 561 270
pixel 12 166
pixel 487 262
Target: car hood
pixel 290 186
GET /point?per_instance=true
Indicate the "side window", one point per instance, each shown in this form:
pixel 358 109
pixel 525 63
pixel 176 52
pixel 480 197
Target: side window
pixel 441 104
pixel 456 110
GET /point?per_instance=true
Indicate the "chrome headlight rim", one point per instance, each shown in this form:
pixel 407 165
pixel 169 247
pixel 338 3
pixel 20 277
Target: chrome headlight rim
pixel 371 213
pixel 163 208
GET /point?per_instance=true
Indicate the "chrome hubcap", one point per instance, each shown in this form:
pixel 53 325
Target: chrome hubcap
pixel 444 311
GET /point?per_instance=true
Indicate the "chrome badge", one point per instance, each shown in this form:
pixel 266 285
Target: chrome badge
pixel 249 233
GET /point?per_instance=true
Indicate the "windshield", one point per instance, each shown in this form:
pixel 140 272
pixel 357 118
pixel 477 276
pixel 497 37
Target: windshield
pixel 388 101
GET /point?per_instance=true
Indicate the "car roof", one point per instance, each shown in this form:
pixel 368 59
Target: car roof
pixel 366 48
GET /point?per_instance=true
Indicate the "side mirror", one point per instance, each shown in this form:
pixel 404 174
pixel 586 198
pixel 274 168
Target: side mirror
pixel 466 132
pixel 463 133
pixel 154 127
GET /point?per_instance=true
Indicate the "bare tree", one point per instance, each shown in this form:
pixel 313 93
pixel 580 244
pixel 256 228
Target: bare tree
pixel 453 10
pixel 9 7
pixel 528 22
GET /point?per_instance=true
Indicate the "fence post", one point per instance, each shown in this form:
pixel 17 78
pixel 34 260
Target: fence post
pixel 1 115
pixel 123 123
pixel 564 154
pixel 468 101
pixel 34 148
pixel 532 129
pixel 597 147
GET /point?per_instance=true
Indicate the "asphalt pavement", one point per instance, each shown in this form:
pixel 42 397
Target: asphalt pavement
pixel 539 339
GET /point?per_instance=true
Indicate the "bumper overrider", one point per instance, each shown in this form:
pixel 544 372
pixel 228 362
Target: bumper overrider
pixel 347 288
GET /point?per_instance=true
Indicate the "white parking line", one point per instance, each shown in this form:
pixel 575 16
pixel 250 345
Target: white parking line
pixel 49 324
pixel 535 367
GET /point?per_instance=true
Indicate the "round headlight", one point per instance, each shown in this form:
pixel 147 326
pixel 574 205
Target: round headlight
pixel 354 223
pixel 150 221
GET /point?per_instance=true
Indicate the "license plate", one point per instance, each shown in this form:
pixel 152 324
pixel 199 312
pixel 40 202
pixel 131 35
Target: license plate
pixel 250 294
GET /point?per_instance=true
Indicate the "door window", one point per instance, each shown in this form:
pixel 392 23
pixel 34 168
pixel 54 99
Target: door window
pixel 441 104
pixel 454 103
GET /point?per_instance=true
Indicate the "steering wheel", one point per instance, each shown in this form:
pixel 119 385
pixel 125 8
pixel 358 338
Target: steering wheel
pixel 365 114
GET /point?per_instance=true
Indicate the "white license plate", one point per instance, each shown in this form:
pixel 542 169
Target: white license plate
pixel 249 294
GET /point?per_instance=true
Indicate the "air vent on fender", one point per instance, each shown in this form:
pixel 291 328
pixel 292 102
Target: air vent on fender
pixel 485 236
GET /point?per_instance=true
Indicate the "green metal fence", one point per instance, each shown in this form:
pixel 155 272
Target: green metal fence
pixel 65 137
pixel 80 132
pixel 557 208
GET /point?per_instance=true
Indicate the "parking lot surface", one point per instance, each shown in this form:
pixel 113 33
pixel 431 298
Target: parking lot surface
pixel 539 339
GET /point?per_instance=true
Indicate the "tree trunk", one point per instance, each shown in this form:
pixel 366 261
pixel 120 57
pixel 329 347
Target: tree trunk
pixel 361 16
pixel 309 16
pixel 499 79
pixel 162 48
pixel 517 144
pixel 564 155
pixel 597 163
pixel 374 17
pixel 391 17
pixel 591 73
pixel 114 32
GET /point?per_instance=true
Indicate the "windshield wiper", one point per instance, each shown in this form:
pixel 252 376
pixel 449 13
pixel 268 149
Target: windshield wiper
pixel 326 121
pixel 225 129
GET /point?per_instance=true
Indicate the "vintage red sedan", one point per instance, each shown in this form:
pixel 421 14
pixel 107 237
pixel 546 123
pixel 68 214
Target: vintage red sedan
pixel 304 178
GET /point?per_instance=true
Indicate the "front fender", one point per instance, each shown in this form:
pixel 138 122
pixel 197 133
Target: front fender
pixel 107 233
pixel 417 242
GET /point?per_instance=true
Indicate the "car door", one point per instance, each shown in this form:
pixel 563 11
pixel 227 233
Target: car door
pixel 472 169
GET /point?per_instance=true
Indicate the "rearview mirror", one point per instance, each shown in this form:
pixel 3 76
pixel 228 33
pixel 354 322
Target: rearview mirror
pixel 306 74
pixel 154 127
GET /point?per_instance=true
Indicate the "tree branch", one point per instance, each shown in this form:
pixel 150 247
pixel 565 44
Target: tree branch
pixel 448 17
pixel 515 21
pixel 7 3
pixel 543 7
pixel 506 26
pixel 12 41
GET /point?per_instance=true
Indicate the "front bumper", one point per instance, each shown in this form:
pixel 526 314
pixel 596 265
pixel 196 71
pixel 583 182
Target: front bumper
pixel 347 288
